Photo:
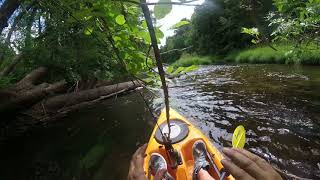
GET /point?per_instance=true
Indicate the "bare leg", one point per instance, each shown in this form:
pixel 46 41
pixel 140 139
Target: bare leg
pixel 204 175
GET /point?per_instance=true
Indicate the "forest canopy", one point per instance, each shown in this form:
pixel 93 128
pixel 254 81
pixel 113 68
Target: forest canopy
pixel 224 27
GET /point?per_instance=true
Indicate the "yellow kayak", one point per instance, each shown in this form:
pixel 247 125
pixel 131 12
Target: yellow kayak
pixel 183 135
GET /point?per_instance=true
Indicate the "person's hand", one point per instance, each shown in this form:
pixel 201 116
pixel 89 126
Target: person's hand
pixel 136 171
pixel 245 165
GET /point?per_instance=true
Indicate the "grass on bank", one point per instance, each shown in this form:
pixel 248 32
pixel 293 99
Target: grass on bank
pixel 189 59
pixel 262 54
pixel 265 55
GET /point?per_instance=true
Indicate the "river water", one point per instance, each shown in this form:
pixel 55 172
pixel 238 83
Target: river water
pixel 278 105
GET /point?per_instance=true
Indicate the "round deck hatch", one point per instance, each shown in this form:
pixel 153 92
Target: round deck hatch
pixel 179 131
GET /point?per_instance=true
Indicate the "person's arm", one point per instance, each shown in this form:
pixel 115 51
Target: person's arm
pixel 245 165
pixel 136 171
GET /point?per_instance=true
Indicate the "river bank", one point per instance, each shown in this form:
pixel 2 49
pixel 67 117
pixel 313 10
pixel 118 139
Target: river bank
pixel 262 54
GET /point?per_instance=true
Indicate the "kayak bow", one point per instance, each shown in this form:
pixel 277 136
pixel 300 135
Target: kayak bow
pixel 183 135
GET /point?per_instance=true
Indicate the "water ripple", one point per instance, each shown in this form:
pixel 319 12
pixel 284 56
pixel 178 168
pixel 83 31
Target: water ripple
pixel 271 101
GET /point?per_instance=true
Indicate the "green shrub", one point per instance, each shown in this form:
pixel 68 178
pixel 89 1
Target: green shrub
pixel 188 60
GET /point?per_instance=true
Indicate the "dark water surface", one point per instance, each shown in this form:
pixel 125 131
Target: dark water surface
pixel 278 105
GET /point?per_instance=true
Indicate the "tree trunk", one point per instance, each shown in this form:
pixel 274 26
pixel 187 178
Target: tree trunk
pixel 7 9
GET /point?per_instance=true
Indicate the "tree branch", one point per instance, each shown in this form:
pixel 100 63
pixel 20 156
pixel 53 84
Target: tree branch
pixel 172 50
pixel 156 50
pixel 7 9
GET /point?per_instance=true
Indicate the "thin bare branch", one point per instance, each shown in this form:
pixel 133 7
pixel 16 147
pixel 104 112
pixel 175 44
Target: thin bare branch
pixel 156 50
pixel 173 50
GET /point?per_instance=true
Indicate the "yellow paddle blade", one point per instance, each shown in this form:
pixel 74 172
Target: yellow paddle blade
pixel 239 137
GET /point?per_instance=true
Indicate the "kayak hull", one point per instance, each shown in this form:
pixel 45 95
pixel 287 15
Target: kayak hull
pixel 184 147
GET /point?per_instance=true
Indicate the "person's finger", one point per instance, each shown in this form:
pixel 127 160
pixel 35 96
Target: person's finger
pixel 259 161
pixel 235 171
pixel 244 163
pixel 142 150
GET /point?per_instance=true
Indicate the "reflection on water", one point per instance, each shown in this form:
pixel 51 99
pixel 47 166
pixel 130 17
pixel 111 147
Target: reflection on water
pixel 278 105
pixel 94 144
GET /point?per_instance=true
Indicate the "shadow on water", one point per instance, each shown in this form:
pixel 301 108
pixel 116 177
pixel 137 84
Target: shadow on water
pixel 278 105
pixel 96 143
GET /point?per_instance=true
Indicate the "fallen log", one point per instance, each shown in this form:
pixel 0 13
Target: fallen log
pixel 101 83
pixel 64 111
pixel 28 98
pixel 70 101
pixel 26 92
pixel 31 79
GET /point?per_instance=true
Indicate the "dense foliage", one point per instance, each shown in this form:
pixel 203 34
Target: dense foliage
pixel 223 27
pixel 215 27
pixel 77 39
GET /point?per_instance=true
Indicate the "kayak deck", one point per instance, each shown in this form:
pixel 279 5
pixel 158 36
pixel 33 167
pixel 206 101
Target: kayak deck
pixel 184 147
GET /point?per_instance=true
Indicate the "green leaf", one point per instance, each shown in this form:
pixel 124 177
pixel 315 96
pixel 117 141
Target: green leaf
pixel 93 156
pixel 120 19
pixel 250 31
pixel 254 41
pixel 190 68
pixel 116 38
pixel 159 34
pixel 148 80
pixel 88 31
pixel 144 24
pixel 161 10
pixel 177 71
pixel 145 36
pixel 179 24
pixel 170 69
